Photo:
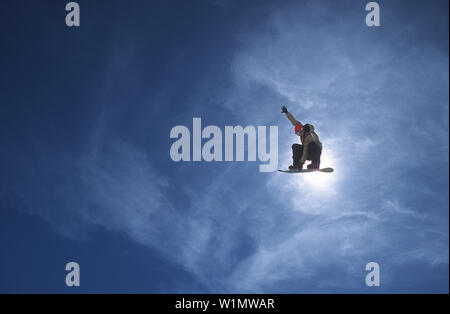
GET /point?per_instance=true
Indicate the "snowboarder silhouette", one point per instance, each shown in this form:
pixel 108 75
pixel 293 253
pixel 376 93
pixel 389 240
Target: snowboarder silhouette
pixel 311 147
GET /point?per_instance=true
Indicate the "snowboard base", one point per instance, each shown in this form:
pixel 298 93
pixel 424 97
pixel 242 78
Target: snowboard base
pixel 308 170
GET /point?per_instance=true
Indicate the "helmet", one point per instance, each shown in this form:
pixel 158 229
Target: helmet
pixel 307 128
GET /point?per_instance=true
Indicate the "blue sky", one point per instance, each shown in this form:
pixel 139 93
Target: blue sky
pixel 86 174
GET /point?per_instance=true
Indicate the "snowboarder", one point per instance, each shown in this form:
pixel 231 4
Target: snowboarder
pixel 311 147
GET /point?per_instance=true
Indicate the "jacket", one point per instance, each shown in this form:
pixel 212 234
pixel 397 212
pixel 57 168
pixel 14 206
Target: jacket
pixel 305 138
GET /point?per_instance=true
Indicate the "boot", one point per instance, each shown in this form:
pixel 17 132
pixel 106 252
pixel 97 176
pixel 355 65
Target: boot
pixel 313 166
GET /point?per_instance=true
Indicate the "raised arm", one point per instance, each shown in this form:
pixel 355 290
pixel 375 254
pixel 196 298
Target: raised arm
pixel 289 116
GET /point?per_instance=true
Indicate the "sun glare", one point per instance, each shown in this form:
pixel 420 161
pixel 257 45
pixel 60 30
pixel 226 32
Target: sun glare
pixel 319 181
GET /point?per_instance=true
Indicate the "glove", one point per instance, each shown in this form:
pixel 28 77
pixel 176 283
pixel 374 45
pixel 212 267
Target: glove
pixel 284 109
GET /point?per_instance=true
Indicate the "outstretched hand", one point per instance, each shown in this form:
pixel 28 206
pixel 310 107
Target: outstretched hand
pixel 284 109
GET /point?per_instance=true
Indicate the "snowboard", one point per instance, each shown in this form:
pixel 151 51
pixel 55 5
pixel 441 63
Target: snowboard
pixel 308 170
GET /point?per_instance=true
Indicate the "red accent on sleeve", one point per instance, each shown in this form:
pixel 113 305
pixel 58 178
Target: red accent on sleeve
pixel 298 129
